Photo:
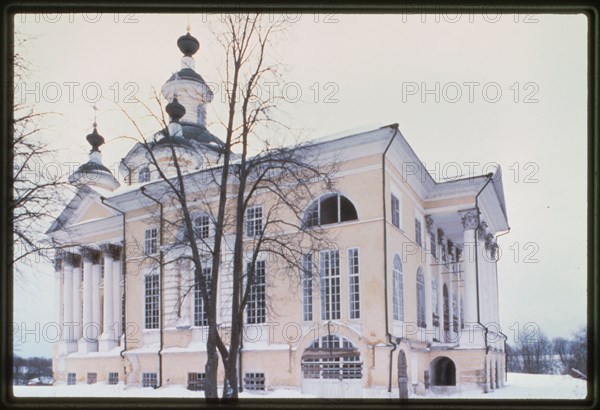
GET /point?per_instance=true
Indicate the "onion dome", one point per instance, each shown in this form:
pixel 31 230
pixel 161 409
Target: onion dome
pixel 188 44
pixel 95 139
pixel 93 172
pixel 175 110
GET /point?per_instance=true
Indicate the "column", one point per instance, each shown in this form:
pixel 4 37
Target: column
pixel 76 297
pixel 472 334
pixel 69 343
pixel 96 301
pixel 88 341
pixel 108 340
pixel 429 261
pixel 117 301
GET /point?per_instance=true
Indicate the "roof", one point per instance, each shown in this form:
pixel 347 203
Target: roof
pixel 187 74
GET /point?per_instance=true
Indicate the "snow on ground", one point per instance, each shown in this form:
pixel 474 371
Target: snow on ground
pixel 518 386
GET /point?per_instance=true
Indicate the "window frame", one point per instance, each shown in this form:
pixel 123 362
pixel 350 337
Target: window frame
pixel 397 289
pixel 256 307
pixel 200 313
pixel 395 209
pixel 151 300
pixel 307 287
pixel 310 221
pixel 151 241
pixel 202 230
pixel 331 290
pixel 420 288
pixel 144 174
pixel 354 280
pixel 254 225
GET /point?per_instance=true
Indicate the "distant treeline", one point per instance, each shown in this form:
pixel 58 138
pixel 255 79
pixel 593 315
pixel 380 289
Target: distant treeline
pixel 539 355
pixel 28 368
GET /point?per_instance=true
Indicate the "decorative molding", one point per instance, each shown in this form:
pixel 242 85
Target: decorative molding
pixel 470 219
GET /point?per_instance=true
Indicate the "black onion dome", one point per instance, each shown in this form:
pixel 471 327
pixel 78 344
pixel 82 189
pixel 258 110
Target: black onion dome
pixel 188 44
pixel 175 110
pixel 95 140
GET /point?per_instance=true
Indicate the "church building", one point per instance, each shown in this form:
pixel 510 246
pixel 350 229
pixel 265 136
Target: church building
pixel 407 300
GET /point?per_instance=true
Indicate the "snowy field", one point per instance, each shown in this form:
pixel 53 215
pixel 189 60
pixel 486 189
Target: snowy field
pixel 519 386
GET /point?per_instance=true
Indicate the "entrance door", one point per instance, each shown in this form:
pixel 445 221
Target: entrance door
pixel 402 375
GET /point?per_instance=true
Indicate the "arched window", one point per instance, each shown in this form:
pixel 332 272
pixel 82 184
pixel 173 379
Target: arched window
pixel 144 174
pixel 331 357
pixel 420 299
pixel 330 209
pixel 398 288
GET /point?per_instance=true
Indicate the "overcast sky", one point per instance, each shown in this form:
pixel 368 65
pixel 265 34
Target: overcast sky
pixel 511 89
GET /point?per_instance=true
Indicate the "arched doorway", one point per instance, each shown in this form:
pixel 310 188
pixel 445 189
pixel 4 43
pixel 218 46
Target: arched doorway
pixel 443 372
pixel 402 375
pixel 331 367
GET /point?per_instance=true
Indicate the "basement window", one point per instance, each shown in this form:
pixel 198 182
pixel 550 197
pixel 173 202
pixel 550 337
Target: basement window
pixel 113 378
pixel 92 378
pixel 71 379
pixel 149 380
pixel 254 381
pixel 196 381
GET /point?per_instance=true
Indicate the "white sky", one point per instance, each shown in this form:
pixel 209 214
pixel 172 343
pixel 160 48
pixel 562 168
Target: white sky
pixel 367 61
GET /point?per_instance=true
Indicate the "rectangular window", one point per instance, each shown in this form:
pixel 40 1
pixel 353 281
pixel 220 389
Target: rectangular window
pixel 200 313
pixel 150 241
pixel 196 381
pixel 151 301
pixel 307 285
pixel 71 379
pixel 395 211
pixel 254 221
pixel 353 282
pixel 254 381
pixel 202 227
pixel 113 378
pixel 256 309
pixel 92 378
pixel 329 272
pixel 418 234
pixel 149 380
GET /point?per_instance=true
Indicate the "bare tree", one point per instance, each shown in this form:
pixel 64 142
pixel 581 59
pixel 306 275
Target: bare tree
pixel 37 190
pixel 536 354
pixel 283 179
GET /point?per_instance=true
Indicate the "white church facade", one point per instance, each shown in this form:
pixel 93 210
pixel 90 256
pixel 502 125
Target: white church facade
pixel 411 286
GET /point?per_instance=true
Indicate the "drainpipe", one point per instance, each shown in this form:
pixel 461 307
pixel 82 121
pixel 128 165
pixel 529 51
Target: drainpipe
pixel 489 176
pixel 161 262
pixel 124 271
pixel 128 171
pixel 385 255
pixel 505 337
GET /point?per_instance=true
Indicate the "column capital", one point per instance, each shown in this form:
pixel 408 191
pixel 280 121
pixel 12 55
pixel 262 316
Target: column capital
pixel 112 250
pixel 441 236
pixel 429 224
pixel 90 254
pixel 470 219
pixel 71 259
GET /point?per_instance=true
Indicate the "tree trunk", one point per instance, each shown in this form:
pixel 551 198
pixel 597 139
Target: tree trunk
pixel 212 365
